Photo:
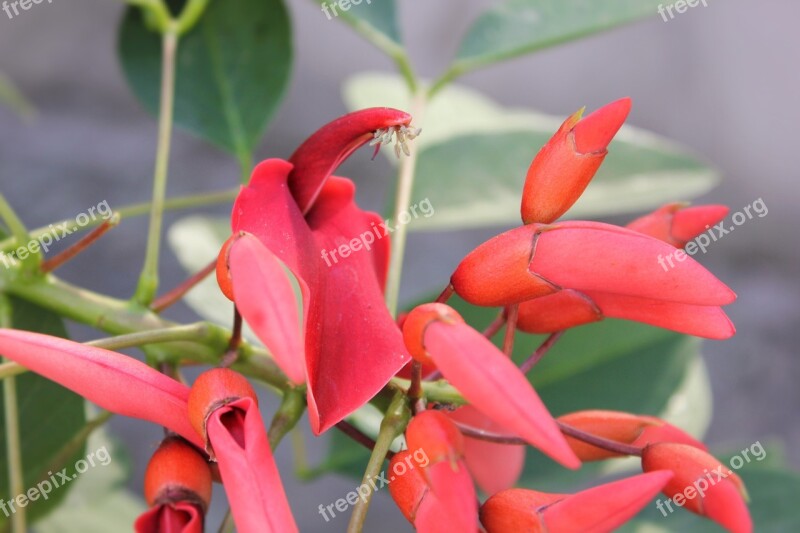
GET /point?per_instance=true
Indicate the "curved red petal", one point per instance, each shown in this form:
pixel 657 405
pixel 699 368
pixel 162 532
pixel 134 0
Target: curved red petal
pixel 264 296
pixel 606 507
pixel 319 156
pixel 113 381
pixel 181 517
pixel 493 466
pixel 595 131
pixel 490 382
pixel 558 311
pixel 251 478
pixel 593 256
pixel 690 222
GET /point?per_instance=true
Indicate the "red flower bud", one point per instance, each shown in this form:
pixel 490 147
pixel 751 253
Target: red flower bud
pixel 636 430
pixel 211 390
pixel 416 321
pixel 177 487
pixel 701 484
pixel 677 223
pixel 224 270
pixel 408 490
pixel 564 167
pixel 596 510
pixel 177 472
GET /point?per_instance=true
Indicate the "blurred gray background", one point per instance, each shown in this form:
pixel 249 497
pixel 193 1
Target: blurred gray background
pixel 723 80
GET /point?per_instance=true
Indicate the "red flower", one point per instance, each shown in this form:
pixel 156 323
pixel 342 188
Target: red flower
pixel 485 377
pixel 308 221
pixel 594 510
pixel 564 167
pixel 177 487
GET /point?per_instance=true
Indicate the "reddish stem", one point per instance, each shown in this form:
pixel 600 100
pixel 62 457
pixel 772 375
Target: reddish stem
pixel 57 260
pixel 354 433
pixel 232 352
pixel 495 326
pixel 166 300
pixel 512 313
pixel 540 352
pixel 566 429
pixel 445 294
pixel 415 389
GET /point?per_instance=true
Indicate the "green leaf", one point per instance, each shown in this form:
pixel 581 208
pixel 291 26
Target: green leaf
pixel 232 70
pixel 49 415
pixel 773 506
pixel 516 27
pixel 474 155
pixel 99 501
pixel 375 20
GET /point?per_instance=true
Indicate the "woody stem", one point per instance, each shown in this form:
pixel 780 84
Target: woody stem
pixel 166 300
pixel 57 260
pixel 540 352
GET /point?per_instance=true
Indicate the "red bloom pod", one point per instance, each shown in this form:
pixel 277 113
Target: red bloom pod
pixel 407 490
pixel 435 433
pixel 564 167
pixel 213 389
pixel 627 428
pixel 415 323
pixel 223 270
pixel 596 510
pixel 701 484
pixel 677 223
pixel 177 472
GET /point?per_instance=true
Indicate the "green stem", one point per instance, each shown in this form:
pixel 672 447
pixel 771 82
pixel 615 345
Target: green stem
pixel 11 369
pixel 191 13
pixel 157 11
pixel 451 74
pixel 292 407
pixel 405 186
pixel 16 483
pixel 190 332
pixel 395 421
pixel 148 280
pixel 133 210
pixel 20 233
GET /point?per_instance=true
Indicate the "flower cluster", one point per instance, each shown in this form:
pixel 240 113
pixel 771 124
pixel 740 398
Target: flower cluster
pixel 331 334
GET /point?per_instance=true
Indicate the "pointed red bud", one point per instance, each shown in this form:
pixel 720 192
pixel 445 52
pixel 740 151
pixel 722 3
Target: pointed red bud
pixel 486 377
pixel 564 167
pixel 596 510
pixel 415 322
pixel 319 156
pixel 535 260
pixel 177 472
pixel 701 484
pixel 211 390
pixel 677 224
pixel 626 428
pixel 115 382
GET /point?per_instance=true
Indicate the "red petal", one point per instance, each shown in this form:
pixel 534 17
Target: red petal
pixel 264 296
pixel 319 156
pixel 494 467
pixel 353 346
pixel 251 478
pixel 455 495
pixel 113 381
pixel 491 382
pixel 561 310
pixel 692 221
pixel 592 256
pixel 607 507
pixel 179 517
pixel 595 132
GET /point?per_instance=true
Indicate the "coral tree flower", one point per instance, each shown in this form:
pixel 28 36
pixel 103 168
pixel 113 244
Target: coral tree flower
pixel 485 377
pixel 565 274
pixel 224 411
pixel 677 223
pixel 113 381
pixel 626 428
pixel 702 484
pixel 306 219
pixel 596 510
pixel 565 165
pixel 440 495
pixel 177 487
